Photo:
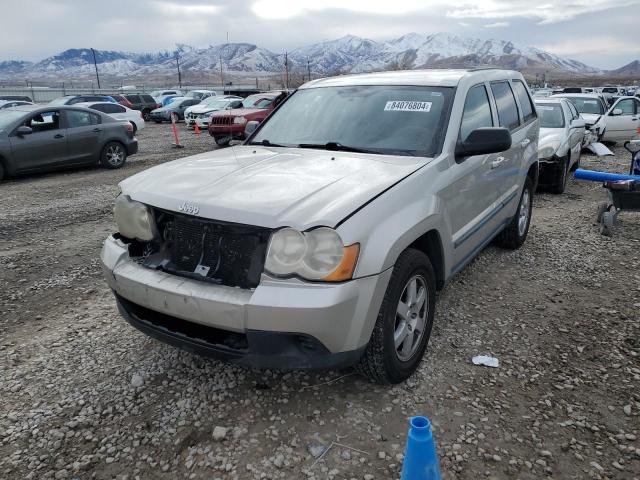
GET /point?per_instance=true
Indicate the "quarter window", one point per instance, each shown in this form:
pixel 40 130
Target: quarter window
pixel 477 111
pixel 506 105
pixel 528 111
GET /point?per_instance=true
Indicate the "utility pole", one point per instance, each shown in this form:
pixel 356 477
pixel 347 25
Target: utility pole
pixel 286 70
pixel 95 64
pixel 178 65
pixel 308 69
pixel 221 74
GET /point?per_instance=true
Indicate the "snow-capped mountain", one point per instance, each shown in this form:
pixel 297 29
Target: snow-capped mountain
pixel 344 55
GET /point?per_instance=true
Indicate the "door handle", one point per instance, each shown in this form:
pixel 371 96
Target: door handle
pixel 497 162
pixel 96 130
pixel 525 142
pixel 58 135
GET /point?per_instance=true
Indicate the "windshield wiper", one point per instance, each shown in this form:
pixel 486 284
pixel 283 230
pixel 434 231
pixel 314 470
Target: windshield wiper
pixel 267 143
pixel 337 147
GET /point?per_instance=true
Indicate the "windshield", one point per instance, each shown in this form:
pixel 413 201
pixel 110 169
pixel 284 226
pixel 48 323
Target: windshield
pixel 194 94
pixel 213 101
pixel 609 90
pixel 393 120
pixel 550 115
pixel 587 105
pixel 7 117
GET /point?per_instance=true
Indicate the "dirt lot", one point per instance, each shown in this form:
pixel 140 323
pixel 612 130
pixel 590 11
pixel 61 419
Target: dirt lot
pixel 83 395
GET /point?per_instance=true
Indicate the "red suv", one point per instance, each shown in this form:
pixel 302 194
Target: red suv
pixel 227 125
pixel 121 100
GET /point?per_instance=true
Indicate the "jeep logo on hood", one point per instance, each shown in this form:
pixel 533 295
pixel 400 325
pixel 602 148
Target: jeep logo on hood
pixel 189 208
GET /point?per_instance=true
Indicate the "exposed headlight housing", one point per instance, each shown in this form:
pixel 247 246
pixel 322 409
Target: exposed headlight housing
pixel 318 254
pixel 134 219
pixel 239 120
pixel 548 150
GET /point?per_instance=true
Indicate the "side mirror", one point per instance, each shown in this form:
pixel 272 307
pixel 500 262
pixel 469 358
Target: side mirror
pixel 578 123
pixel 24 130
pixel 483 141
pixel 616 112
pixel 250 128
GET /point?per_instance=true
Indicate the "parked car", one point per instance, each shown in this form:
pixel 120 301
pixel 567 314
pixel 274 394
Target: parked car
pixel 228 125
pixel 592 107
pixel 200 94
pixel 168 99
pixel 12 103
pixel 73 99
pixel 38 138
pixel 143 102
pixel 122 100
pixel 176 107
pixel 200 114
pixel 22 98
pixel 322 240
pixel 623 120
pixel 160 94
pixel 119 112
pixel 562 133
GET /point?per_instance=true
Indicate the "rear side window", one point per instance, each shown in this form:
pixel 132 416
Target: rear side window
pixel 78 118
pixel 528 111
pixel 110 108
pixel 506 104
pixel 477 111
pixel 133 98
pixel 148 98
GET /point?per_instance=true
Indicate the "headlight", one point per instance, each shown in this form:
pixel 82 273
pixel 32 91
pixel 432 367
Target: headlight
pixel 315 255
pixel 548 150
pixel 239 120
pixel 134 219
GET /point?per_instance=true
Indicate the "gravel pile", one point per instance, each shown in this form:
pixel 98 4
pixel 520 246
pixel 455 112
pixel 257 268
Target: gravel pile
pixel 83 395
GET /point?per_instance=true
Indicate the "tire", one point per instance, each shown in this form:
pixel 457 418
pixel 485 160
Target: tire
pixel 1 172
pixel 562 175
pixel 222 140
pixel 113 155
pixel 514 235
pixel 158 121
pixel 146 115
pixel 602 207
pixel 135 127
pixel 383 362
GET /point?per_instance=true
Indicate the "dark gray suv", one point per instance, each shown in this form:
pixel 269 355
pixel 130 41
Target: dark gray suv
pixel 35 138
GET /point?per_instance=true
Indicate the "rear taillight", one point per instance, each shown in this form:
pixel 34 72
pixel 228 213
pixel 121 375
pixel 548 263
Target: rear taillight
pixel 128 127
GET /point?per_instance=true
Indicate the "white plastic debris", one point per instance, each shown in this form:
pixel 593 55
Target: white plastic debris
pixel 599 149
pixel 486 360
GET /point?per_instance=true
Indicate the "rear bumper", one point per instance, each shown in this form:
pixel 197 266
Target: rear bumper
pixel 132 147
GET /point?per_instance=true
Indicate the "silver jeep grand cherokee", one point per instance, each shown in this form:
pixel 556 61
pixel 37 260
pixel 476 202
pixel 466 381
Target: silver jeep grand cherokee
pixel 321 241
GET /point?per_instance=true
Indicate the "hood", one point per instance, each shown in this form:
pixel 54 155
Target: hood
pixel 270 187
pixel 550 135
pixel 202 109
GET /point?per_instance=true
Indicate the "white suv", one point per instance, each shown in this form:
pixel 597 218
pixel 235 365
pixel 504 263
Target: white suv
pixel 321 241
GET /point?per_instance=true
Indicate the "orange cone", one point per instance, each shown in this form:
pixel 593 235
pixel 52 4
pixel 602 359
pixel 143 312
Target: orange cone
pixel 197 129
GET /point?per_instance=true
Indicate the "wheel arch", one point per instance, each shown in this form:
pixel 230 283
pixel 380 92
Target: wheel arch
pixel 430 243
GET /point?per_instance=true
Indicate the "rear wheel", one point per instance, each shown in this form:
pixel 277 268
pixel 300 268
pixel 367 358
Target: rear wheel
pixel 146 115
pixel 401 333
pixel 514 235
pixel 113 155
pixel 222 140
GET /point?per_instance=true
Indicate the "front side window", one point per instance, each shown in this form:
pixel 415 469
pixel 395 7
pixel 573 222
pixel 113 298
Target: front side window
pixel 506 105
pixel 627 106
pixel 477 111
pixel 528 111
pixel 44 121
pixel 78 118
pixel 550 115
pixel 379 119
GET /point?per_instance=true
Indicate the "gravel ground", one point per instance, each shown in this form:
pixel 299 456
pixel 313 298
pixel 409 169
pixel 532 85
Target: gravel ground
pixel 83 395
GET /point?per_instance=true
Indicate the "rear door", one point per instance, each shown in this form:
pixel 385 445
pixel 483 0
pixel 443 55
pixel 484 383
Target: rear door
pixel 45 147
pixel 625 126
pixel 472 194
pixel 84 131
pixel 510 163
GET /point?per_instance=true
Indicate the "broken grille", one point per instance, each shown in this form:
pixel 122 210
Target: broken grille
pixel 220 252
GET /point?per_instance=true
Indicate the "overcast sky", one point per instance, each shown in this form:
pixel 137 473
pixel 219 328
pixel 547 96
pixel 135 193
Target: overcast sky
pixel 601 33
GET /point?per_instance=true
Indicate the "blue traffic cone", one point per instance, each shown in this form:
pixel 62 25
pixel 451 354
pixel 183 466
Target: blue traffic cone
pixel 420 458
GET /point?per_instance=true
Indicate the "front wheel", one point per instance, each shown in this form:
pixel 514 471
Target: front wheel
pixel 222 140
pixel 514 235
pixel 113 155
pixel 401 333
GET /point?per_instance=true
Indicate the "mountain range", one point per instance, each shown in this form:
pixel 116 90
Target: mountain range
pixel 344 55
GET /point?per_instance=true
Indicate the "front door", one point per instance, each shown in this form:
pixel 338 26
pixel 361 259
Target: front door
pixel 624 126
pixel 44 147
